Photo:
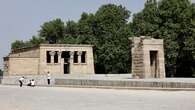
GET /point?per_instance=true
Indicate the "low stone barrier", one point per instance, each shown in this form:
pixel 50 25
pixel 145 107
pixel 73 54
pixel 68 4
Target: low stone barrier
pixel 123 83
pixel 118 81
pixel 14 80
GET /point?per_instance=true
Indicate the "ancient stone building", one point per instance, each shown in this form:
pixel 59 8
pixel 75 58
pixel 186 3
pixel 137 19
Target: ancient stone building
pixel 57 59
pixel 147 57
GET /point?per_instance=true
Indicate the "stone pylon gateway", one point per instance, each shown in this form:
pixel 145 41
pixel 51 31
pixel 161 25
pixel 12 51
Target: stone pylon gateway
pixel 147 57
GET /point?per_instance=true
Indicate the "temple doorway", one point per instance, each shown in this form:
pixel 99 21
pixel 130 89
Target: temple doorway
pixel 66 57
pixel 154 64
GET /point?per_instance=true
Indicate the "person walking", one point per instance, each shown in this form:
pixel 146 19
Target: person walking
pixel 48 78
pixel 21 81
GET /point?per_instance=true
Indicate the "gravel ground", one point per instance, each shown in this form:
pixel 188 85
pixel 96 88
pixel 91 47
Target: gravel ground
pixel 61 98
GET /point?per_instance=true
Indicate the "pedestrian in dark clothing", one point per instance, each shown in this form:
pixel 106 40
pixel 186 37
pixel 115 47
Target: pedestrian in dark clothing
pixel 21 81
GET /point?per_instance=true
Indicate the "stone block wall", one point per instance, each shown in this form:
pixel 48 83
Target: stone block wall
pixel 33 60
pixel 137 58
pixel 19 66
pixel 122 83
pixel 28 53
pixel 58 68
pixel 143 63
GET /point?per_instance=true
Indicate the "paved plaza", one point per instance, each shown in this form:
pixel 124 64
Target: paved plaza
pixel 60 98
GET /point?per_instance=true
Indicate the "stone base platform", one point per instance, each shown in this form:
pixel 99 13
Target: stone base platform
pixel 42 79
pixel 127 83
pixel 104 81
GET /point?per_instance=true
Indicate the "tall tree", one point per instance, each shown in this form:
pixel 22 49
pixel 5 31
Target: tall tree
pixel 71 29
pixel 85 24
pixel 52 31
pixel 146 22
pixel 112 49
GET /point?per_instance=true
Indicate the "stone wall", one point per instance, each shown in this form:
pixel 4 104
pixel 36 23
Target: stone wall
pixel 24 61
pixel 137 58
pixel 58 68
pixel 154 45
pixel 103 81
pixel 147 57
pixel 28 53
pixel 33 60
pixel 18 66
pixel 123 83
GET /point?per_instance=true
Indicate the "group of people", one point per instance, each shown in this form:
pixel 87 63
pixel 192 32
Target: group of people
pixel 32 81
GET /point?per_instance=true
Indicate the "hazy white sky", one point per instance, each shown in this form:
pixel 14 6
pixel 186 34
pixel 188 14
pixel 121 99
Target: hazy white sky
pixel 20 19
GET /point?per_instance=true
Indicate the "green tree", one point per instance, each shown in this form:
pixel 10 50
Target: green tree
pixel 18 44
pixel 145 23
pixel 85 24
pixel 171 20
pixel 71 29
pixel 110 18
pixel 34 41
pixel 112 49
pixel 53 30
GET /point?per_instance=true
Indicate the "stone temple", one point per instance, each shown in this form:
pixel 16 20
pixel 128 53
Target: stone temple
pixel 57 59
pixel 147 57
pixel 60 59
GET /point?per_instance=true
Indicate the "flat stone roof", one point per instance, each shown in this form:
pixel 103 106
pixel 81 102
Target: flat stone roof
pixel 65 45
pixel 18 50
pixel 48 45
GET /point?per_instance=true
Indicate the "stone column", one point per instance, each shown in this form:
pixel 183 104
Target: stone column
pixel 71 61
pixel 52 53
pixel 79 53
pixel 59 56
pixel 71 56
pixel 62 65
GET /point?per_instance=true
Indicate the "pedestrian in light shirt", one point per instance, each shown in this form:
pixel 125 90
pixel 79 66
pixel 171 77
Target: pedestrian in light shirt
pixel 48 78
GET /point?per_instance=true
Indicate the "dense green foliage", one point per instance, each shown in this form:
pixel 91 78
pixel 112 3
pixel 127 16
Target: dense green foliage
pixel 34 41
pixel 108 30
pixel 53 30
pixel 172 20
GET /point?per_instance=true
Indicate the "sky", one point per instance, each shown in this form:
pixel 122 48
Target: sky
pixel 21 19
